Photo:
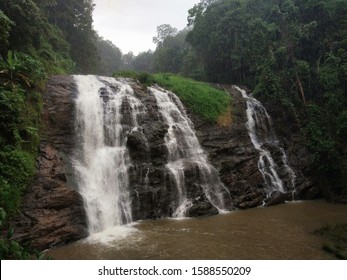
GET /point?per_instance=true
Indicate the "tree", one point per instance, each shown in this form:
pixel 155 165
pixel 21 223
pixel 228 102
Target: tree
pixel 143 62
pixel 28 21
pixel 164 31
pixel 74 18
pixel 220 38
pixel 192 66
pixel 5 27
pixel 198 10
pixel 168 56
pixel 110 57
pixel 34 35
pixel 127 61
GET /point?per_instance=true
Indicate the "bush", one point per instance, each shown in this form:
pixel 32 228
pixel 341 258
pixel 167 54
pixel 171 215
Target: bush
pixel 22 69
pixel 20 106
pixel 143 77
pixel 10 249
pixel 11 106
pixel 16 170
pixel 5 28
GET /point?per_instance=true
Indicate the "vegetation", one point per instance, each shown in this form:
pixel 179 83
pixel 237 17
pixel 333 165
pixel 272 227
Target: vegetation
pixel 74 19
pixel 143 77
pixel 335 240
pixel 292 53
pixel 37 38
pixel 173 54
pixel 10 249
pixel 29 32
pixel 110 57
pixel 208 102
pixel 199 97
pixel 20 106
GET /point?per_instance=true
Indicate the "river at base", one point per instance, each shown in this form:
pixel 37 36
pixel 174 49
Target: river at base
pixel 278 232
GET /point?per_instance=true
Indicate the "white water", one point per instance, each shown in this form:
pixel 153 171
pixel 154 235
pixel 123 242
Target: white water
pixel 102 164
pixel 262 135
pixel 184 150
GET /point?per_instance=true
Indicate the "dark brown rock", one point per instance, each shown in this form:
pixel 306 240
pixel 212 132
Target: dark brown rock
pixel 278 198
pixel 230 150
pixel 52 214
pixel 52 211
pixel 200 209
pixel 289 131
pixel 58 113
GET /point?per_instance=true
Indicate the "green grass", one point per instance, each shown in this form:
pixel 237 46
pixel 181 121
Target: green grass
pixel 208 102
pixel 143 77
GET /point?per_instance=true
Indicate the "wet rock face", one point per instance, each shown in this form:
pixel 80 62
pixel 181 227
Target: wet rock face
pixel 51 215
pixel 231 151
pixel 153 189
pixel 52 211
pixel 147 174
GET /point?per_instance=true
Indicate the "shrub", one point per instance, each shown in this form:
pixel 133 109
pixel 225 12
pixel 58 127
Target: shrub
pixel 143 77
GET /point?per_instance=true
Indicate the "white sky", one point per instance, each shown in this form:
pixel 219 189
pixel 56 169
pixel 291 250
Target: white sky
pixel 131 24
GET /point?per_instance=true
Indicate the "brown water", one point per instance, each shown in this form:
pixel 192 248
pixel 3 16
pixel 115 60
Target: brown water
pixel 278 232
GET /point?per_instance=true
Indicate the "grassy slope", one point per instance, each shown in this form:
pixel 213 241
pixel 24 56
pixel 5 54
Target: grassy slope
pixel 210 103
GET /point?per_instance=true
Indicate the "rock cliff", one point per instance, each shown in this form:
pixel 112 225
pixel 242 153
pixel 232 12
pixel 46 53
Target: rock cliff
pixel 52 211
pixel 231 151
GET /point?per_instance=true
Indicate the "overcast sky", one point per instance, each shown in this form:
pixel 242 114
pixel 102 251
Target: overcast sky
pixel 131 24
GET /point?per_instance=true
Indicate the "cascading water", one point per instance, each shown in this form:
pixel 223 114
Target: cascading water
pixel 107 113
pixel 262 135
pixel 106 110
pixel 184 150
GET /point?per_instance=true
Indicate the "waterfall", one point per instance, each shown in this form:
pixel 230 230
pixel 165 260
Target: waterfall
pixel 107 113
pixel 184 152
pixel 106 110
pixel 262 135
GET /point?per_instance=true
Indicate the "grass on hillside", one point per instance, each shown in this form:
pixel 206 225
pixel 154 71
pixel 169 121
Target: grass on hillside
pixel 212 104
